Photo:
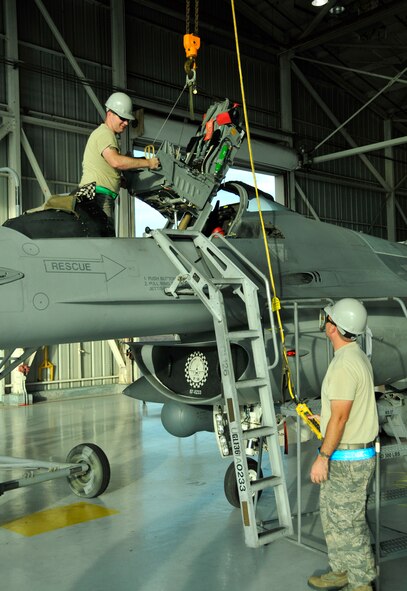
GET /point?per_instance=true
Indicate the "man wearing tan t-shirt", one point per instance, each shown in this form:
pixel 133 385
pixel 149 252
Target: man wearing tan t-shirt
pixel 346 460
pixel 102 162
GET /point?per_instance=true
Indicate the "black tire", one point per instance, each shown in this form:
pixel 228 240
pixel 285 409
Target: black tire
pixel 230 484
pixel 95 481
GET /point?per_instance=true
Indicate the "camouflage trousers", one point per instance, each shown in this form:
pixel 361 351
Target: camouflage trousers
pixel 343 516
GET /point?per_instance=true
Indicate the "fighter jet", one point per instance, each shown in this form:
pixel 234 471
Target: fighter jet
pixel 71 289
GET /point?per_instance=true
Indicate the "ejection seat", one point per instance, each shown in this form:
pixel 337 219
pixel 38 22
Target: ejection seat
pixel 183 187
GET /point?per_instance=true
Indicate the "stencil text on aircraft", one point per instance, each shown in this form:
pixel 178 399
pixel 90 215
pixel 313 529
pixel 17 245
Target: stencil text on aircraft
pixel 104 266
pixel 69 266
pixel 156 282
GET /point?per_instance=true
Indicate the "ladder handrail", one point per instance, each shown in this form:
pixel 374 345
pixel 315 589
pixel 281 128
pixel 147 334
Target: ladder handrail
pixel 310 303
pixel 261 276
pixel 305 301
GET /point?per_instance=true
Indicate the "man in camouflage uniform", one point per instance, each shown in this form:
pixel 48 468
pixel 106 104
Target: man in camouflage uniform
pixel 346 460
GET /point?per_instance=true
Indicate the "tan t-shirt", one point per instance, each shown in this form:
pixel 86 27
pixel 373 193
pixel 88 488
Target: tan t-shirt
pixel 350 377
pixel 94 166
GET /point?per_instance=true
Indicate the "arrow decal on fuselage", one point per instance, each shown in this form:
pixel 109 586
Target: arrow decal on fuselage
pixel 105 266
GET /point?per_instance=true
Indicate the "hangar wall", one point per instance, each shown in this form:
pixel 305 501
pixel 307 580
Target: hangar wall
pixel 52 97
pixel 344 191
pixel 56 113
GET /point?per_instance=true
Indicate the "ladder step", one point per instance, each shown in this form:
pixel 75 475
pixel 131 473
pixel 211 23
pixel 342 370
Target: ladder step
pixel 388 497
pixel 264 431
pixel 396 450
pixel 395 547
pixel 244 334
pixel 267 482
pixel 254 383
pixel 227 280
pixel 272 534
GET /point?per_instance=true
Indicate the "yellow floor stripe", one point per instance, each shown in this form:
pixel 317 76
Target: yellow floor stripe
pixel 51 519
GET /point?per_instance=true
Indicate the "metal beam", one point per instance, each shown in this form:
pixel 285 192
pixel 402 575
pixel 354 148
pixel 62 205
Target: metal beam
pixel 5 129
pixel 35 166
pixel 348 69
pixel 361 150
pixel 17 200
pixel 59 124
pixel 118 35
pixel 285 94
pixel 121 361
pixel 378 93
pixel 403 215
pixel 13 99
pixel 70 57
pixel 125 222
pixel 317 19
pixel 287 116
pixel 55 125
pixel 257 17
pixel 333 179
pixel 307 203
pixel 389 173
pixel 401 181
pixel 328 70
pixel 336 122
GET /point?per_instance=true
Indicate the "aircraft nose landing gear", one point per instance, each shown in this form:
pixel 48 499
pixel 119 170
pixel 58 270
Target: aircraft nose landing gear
pixel 231 484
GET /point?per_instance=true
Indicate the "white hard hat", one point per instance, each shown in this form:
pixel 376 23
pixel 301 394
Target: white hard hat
pixel 121 104
pixel 349 315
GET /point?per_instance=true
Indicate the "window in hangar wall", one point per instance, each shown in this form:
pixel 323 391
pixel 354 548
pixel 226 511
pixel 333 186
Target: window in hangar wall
pixel 147 216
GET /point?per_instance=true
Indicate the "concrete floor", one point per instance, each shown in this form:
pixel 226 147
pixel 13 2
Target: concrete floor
pixel 168 527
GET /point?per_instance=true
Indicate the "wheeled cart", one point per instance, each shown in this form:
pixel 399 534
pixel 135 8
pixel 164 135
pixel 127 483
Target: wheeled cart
pixel 87 470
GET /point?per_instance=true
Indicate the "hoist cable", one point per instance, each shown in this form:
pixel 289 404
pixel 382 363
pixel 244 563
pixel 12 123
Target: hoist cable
pixel 188 17
pixel 187 13
pixel 191 44
pixel 301 408
pixel 168 116
pixel 191 87
pixel 196 17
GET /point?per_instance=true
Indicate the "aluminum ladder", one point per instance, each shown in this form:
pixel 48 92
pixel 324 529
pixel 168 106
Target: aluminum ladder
pixel 220 273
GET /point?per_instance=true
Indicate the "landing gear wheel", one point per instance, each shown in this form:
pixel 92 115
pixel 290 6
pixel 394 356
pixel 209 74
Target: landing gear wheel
pixel 230 484
pixel 95 480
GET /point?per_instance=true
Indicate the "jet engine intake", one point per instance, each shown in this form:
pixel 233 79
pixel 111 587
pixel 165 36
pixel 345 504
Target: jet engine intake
pixel 184 372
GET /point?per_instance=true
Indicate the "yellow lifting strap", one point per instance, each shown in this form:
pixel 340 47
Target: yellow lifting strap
pixel 302 409
pixel 149 152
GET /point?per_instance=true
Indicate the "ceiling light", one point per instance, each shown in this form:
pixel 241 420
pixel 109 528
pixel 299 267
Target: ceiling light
pixel 319 2
pixel 337 9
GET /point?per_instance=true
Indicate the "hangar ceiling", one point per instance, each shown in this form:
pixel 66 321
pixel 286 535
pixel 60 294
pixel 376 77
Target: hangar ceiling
pixel 355 52
pixel 361 45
